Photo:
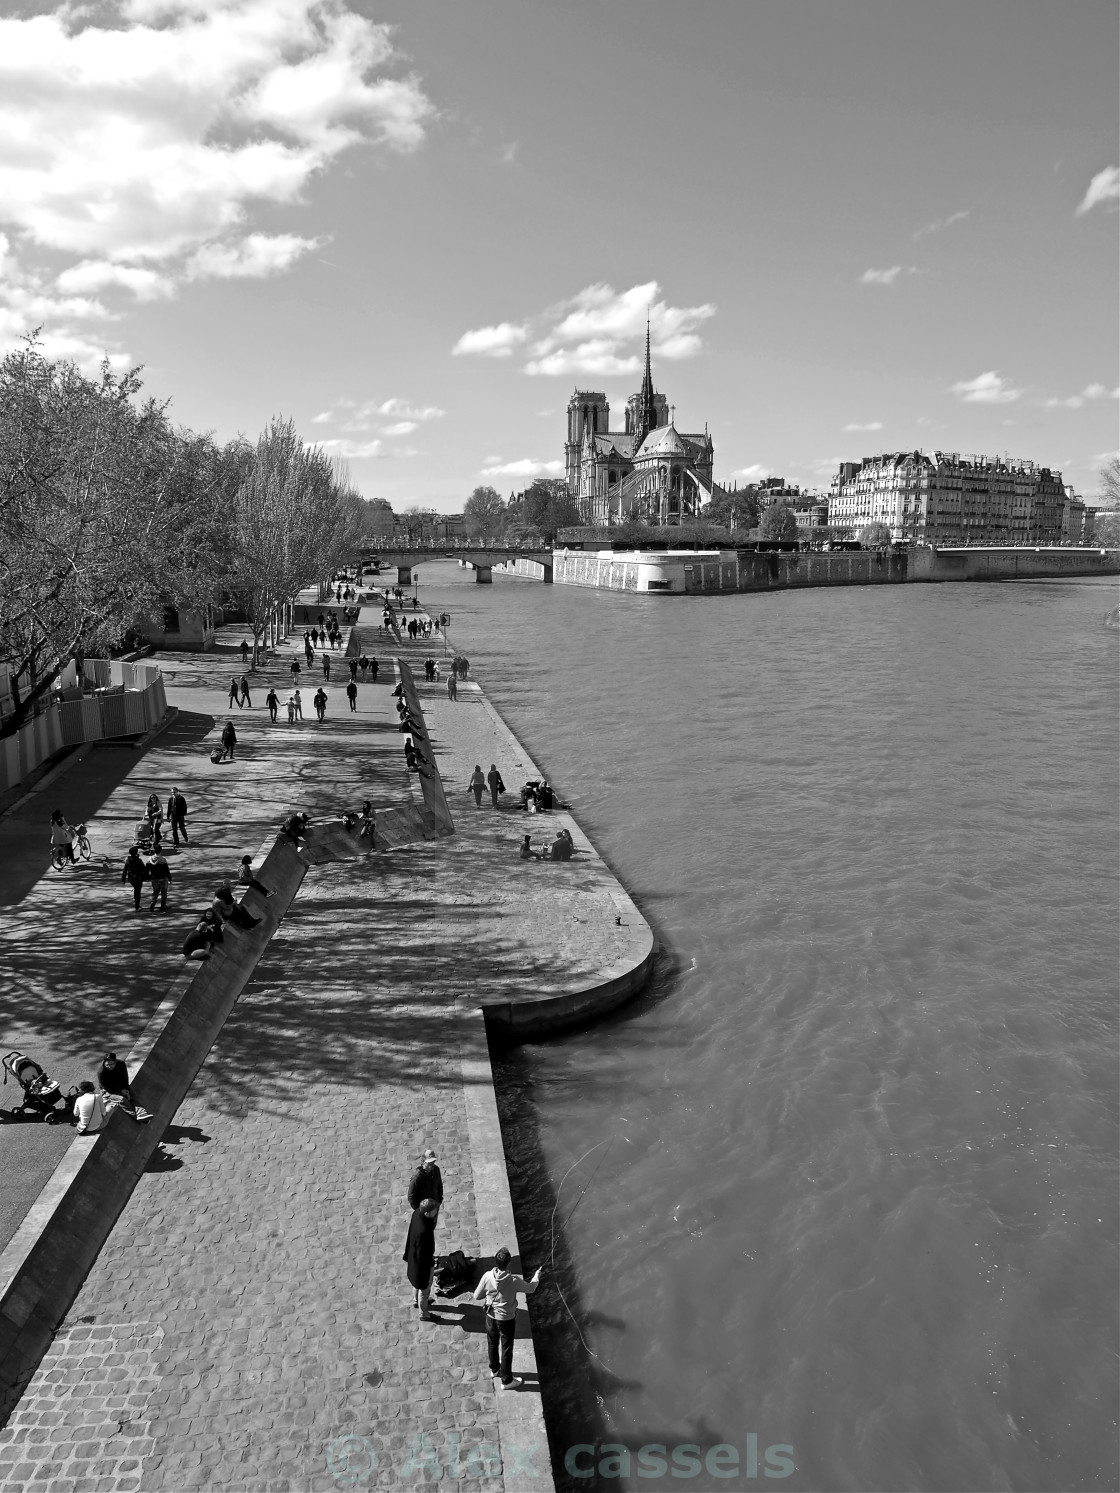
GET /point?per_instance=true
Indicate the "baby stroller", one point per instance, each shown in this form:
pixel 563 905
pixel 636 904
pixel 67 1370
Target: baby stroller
pixel 41 1095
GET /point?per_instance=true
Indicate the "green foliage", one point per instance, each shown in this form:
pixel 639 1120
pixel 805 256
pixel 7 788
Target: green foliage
pixel 777 522
pixel 484 514
pixel 871 536
pixel 106 511
pixel 546 506
pixel 734 510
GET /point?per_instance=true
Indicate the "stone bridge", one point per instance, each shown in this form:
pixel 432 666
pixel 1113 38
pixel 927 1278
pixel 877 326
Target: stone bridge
pixel 480 557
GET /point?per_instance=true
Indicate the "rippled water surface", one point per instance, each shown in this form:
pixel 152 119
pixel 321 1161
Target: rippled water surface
pixel 851 1182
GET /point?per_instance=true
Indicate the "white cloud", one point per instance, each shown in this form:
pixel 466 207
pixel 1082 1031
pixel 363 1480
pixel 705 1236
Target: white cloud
pixel 140 133
pixel 594 331
pixel 871 425
pixel 527 467
pixel 348 414
pixel 94 274
pixel 350 450
pixel 939 223
pixel 985 388
pixel 252 257
pixel 753 473
pixel 886 277
pixel 1088 393
pixel 491 342
pixel 1104 187
pixel 509 153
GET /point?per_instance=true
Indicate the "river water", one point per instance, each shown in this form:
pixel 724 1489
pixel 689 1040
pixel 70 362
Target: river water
pixel 844 1179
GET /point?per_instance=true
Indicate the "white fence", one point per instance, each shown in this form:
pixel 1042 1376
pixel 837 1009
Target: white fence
pixel 128 700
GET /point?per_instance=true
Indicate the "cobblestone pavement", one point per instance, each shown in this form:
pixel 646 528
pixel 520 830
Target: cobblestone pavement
pixel 248 1324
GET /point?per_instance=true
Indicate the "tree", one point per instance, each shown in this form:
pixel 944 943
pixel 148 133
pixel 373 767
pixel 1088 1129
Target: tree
pixel 548 505
pixel 777 522
pixel 736 510
pixel 871 536
pixel 484 513
pixel 1110 479
pixel 105 512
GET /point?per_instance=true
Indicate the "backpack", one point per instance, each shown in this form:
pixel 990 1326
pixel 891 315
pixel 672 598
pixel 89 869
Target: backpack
pixel 454 1272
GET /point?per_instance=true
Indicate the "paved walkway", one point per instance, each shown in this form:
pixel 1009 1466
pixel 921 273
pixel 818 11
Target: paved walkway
pixel 248 1324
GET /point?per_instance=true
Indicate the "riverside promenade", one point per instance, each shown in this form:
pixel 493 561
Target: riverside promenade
pixel 248 1323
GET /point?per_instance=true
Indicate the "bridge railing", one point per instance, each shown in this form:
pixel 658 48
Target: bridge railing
pixel 443 546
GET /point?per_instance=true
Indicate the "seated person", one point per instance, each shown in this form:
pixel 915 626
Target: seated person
pixel 208 932
pixel 88 1112
pixel 112 1079
pixel 246 878
pixel 224 907
pixel 296 825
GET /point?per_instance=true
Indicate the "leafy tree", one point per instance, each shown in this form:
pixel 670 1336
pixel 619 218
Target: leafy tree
pixel 484 513
pixel 548 505
pixel 777 522
pixel 106 513
pixel 871 536
pixel 736 510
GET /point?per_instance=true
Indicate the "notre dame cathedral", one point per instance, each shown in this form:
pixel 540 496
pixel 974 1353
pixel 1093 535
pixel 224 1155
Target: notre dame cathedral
pixel 648 471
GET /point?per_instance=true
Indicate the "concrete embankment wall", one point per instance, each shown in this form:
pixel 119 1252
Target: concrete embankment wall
pixel 686 573
pixel 52 1252
pixel 1010 564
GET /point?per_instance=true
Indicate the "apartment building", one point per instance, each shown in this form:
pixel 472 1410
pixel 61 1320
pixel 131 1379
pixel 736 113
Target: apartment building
pixel 942 497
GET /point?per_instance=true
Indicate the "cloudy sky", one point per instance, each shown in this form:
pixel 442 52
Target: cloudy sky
pixel 856 225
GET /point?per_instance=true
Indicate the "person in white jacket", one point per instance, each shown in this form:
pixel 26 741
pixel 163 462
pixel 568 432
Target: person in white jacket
pixel 500 1288
pixel 87 1109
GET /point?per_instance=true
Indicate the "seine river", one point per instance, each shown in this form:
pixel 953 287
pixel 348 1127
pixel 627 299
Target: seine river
pixel 849 1168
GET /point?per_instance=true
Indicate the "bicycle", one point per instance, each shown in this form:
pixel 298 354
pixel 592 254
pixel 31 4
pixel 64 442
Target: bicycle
pixel 80 845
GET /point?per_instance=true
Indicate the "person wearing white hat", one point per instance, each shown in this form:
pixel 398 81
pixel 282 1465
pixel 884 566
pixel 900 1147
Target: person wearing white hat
pixel 426 1182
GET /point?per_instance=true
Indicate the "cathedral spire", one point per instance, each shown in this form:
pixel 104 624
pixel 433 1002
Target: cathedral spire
pixel 647 404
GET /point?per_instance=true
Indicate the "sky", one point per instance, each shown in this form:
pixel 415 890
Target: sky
pixel 414 228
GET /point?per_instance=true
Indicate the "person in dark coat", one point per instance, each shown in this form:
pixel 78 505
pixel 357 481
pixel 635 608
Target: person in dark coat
pixel 477 784
pixel 177 814
pixel 272 700
pixel 229 740
pixel 426 1183
pixel 135 872
pixel 352 695
pixel 320 702
pixel 113 1078
pixel 207 933
pixel 420 1255
pixel 494 778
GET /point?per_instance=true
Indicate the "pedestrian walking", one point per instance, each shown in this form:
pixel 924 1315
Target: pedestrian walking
pixel 291 709
pixel 420 1255
pixel 298 698
pixel 161 880
pixel 177 816
pixel 229 740
pixel 499 1289
pixel 353 668
pixel 295 668
pixel 315 637
pixel 477 784
pixel 244 652
pixel 326 665
pixel 452 687
pixel 135 872
pixel 427 1180
pixel 320 702
pixel 373 671
pixel 245 700
pixel 272 700
pixel 494 778
pixel 234 693
pixel 352 695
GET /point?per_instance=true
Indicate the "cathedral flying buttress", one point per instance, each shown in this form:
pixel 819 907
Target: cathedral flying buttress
pixel 649 470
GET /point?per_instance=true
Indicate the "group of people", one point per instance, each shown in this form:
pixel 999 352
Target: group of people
pixel 239 692
pixel 145 862
pixel 480 780
pixel 93 1102
pixel 431 669
pixel 224 910
pixel 562 848
pixel 498 1288
pixel 413 733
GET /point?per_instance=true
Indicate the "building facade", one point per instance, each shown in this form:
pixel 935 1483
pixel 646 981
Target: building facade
pixel 942 497
pixel 648 470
